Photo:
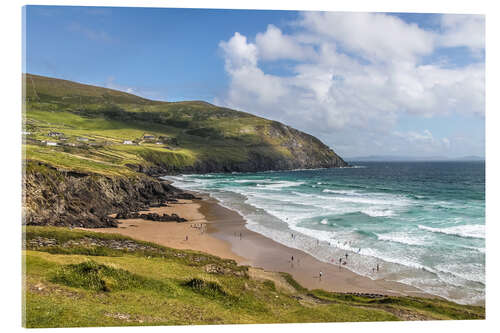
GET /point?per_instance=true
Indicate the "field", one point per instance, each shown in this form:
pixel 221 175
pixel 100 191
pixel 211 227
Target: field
pixel 80 278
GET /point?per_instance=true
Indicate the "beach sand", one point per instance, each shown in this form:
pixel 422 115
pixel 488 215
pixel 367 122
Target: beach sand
pixel 221 237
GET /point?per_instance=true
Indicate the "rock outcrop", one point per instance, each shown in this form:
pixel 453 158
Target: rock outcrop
pixel 67 198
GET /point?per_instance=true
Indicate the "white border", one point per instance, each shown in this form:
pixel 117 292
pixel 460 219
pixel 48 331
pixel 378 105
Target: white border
pixel 10 311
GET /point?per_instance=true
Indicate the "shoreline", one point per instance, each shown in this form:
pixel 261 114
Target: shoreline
pixel 262 252
pixel 216 230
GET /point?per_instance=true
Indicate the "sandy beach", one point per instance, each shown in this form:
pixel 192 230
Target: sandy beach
pixel 214 229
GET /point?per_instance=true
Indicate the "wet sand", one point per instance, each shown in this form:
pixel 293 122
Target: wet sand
pixel 214 229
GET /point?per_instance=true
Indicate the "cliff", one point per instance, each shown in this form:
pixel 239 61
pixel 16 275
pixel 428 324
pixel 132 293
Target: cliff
pixel 66 198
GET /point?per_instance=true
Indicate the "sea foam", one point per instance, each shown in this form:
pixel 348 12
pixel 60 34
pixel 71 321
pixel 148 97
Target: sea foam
pixel 467 230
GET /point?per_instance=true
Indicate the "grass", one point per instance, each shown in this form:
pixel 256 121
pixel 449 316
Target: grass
pixel 291 281
pixel 67 285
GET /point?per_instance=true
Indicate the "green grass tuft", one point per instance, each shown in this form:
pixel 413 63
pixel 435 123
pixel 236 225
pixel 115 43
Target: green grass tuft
pixel 206 288
pixel 91 275
pixel 291 281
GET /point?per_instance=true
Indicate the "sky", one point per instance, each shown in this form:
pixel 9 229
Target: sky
pixel 396 84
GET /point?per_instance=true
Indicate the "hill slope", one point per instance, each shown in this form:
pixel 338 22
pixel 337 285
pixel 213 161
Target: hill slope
pixel 91 151
pixel 94 123
pixel 80 278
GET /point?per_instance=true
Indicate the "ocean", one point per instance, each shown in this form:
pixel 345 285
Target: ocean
pixel 423 223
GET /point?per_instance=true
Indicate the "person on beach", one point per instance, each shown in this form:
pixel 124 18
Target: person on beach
pixel 346 256
pixel 377 267
pixel 320 275
pixel 186 238
pixel 240 235
pixel 359 250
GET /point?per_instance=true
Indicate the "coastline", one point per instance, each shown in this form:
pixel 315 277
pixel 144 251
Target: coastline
pixel 214 229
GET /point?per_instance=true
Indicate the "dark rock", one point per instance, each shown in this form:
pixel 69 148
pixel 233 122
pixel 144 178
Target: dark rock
pixel 187 196
pixel 60 198
pixel 150 216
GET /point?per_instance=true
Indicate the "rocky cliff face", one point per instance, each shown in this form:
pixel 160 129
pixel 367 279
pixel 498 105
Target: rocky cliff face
pixel 64 198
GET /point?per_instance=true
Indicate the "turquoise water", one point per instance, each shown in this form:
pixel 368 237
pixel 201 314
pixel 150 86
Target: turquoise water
pixel 421 222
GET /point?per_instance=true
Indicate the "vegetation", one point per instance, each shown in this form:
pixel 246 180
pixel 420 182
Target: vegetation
pixel 81 278
pixel 102 130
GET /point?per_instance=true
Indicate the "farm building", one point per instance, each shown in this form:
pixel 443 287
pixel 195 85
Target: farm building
pixel 51 143
pixel 127 142
pixel 55 134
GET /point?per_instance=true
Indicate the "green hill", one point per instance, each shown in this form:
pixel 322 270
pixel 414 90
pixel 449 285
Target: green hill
pixel 91 151
pixel 105 130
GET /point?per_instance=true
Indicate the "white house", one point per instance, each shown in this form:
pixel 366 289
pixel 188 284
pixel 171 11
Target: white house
pixel 127 142
pixel 51 143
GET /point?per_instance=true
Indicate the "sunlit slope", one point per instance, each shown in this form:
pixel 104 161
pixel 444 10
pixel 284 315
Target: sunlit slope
pixel 102 130
pixel 80 278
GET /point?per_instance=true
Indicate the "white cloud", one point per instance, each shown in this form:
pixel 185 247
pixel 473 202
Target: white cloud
pixel 377 37
pixel 238 53
pixel 422 142
pixel 348 102
pixel 463 30
pixel 273 45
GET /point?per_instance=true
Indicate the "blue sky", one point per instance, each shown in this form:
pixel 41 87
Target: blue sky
pixel 365 83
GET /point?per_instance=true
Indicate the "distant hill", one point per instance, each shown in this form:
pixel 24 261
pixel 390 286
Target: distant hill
pixel 469 158
pixel 392 158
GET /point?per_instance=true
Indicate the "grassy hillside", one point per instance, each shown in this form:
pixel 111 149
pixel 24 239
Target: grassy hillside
pixel 107 131
pixel 79 278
